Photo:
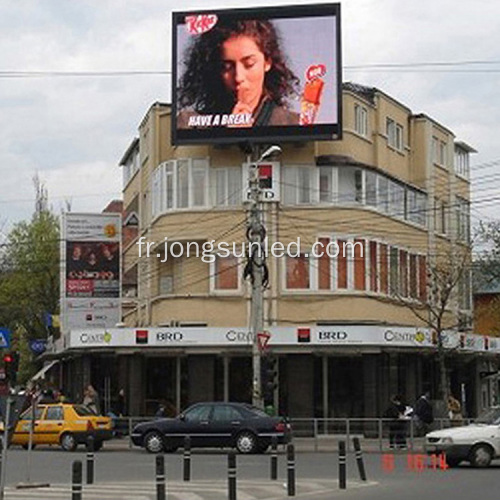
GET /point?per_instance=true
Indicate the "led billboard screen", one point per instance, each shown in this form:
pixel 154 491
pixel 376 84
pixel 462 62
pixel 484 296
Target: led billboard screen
pixel 257 75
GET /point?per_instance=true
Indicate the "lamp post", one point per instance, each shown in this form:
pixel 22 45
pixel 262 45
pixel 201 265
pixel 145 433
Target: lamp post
pixel 256 255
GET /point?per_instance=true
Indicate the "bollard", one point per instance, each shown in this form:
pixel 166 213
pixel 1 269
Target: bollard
pixel 76 480
pixel 290 456
pixel 160 477
pixel 359 459
pixel 231 474
pixel 90 459
pixel 274 457
pixel 342 465
pixel 187 458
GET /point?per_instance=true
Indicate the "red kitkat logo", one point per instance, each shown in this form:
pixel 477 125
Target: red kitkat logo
pixel 315 71
pixel 197 25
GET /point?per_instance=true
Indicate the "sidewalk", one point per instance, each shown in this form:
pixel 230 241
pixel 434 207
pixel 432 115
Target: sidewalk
pixel 322 444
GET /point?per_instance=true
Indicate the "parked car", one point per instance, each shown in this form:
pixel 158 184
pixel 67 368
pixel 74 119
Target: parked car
pixel 67 425
pixel 477 443
pixel 239 425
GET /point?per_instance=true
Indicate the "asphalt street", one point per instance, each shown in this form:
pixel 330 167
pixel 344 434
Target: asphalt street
pixel 129 474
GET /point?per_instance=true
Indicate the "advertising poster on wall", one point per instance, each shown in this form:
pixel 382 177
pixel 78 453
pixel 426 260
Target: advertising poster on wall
pixel 257 74
pixel 90 270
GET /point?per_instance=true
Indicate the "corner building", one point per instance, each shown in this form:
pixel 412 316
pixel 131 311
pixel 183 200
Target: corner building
pixel 397 184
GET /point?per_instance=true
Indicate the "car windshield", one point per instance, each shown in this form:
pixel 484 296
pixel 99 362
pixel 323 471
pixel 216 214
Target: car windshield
pixel 491 417
pixel 256 411
pixel 83 411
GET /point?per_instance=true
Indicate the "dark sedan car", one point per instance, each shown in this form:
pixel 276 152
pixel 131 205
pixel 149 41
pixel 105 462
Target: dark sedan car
pixel 238 425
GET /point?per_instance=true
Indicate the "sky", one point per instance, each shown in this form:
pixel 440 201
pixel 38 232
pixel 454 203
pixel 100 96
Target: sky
pixel 72 131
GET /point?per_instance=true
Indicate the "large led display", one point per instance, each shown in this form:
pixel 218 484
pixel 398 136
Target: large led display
pixel 257 75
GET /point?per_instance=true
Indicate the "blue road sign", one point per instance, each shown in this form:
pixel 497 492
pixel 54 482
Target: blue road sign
pixel 38 346
pixel 4 337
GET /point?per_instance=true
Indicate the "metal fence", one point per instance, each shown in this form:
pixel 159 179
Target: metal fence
pixel 322 434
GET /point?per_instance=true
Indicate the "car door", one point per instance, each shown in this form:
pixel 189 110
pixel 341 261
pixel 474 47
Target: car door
pixel 54 423
pixel 195 422
pixel 226 421
pixel 22 431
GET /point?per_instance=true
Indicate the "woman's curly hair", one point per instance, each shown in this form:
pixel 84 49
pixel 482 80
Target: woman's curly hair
pixel 201 86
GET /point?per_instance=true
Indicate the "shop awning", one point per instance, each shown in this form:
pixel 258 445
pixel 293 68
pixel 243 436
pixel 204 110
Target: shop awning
pixel 41 373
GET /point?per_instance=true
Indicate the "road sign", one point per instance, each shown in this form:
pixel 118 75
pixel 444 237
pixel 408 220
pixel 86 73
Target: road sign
pixel 4 337
pixel 38 346
pixel 263 339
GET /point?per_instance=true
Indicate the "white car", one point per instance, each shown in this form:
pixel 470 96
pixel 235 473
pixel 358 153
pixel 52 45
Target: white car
pixel 477 443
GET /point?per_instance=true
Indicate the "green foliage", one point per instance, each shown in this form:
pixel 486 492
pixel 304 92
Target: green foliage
pixel 29 274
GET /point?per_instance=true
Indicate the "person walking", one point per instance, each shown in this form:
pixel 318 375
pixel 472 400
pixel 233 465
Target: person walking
pixel 395 412
pixel 454 411
pixel 120 403
pixel 91 399
pixel 424 414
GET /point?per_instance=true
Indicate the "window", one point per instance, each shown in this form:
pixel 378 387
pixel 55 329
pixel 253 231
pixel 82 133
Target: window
pixel 396 199
pixel 350 185
pixel 54 413
pixel 228 186
pixel 373 266
pixel 422 278
pixel 383 194
pixel 226 273
pixel 198 413
pixel 394 133
pixel 224 413
pixel 403 273
pixel 342 266
pixel 327 184
pixel 394 271
pixel 438 151
pixel 299 185
pixel 131 166
pixel 384 269
pixel 413 277
pixel 464 288
pixel 461 162
pixel 359 265
pixel 361 120
pixel 462 208
pixel 440 216
pixel 179 184
pixel 371 188
pixel 324 266
pixel 416 206
pixel 297 273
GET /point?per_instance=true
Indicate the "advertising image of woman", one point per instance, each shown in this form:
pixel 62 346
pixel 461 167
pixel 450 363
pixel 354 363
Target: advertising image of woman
pixel 237 69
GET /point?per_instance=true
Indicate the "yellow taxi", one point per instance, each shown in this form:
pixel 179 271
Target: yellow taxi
pixel 67 425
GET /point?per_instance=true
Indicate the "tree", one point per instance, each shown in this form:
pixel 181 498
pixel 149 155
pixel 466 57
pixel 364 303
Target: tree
pixel 488 261
pixel 447 277
pixel 29 273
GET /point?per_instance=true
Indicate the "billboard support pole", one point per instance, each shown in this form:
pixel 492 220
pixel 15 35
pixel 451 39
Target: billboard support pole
pixel 256 236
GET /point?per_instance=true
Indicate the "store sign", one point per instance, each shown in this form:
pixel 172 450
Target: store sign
pixel 338 335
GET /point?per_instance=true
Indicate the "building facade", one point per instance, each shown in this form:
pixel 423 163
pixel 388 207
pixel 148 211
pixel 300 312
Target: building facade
pixel 395 189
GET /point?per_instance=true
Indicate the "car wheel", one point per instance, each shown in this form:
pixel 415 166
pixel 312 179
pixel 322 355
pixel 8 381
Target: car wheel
pixel 246 442
pixel 481 455
pixel 153 442
pixel 68 442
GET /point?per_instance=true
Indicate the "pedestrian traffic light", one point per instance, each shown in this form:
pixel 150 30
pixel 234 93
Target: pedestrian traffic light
pixel 269 376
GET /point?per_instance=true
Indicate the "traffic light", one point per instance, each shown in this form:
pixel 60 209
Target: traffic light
pixel 11 365
pixel 269 376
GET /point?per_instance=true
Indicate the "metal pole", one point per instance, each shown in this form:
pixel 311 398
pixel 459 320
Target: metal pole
pixel 160 477
pixel 274 458
pixel 342 465
pixel 90 460
pixel 255 228
pixel 290 455
pixel 5 443
pixel 359 459
pixel 231 475
pixel 130 432
pixel 187 458
pixel 30 438
pixel 76 480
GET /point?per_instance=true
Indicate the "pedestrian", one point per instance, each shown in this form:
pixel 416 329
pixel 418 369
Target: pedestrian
pixel 91 399
pixel 120 403
pixel 161 411
pixel 454 411
pixel 395 412
pixel 424 414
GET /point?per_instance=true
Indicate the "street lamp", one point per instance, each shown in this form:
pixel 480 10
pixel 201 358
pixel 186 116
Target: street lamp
pixel 255 235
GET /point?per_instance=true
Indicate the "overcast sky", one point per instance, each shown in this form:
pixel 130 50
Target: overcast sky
pixel 72 131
